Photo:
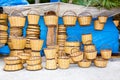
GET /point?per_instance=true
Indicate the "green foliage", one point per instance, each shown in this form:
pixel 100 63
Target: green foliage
pixel 108 4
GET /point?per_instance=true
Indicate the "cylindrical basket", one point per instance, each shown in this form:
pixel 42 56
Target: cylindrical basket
pixel 98 25
pixel 69 20
pixel 84 63
pixel 84 18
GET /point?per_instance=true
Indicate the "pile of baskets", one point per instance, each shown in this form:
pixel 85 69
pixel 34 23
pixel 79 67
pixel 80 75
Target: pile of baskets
pixel 3 29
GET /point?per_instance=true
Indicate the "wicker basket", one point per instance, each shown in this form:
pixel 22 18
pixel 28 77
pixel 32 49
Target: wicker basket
pixel 91 54
pixel 36 44
pixel 50 53
pixel 106 54
pixel 15 52
pixel 68 49
pixel 28 50
pixel 33 18
pixel 14 67
pixel 116 22
pixel 3 41
pixel 3 27
pixel 102 19
pixel 34 60
pixel 72 44
pixel 3 16
pixel 35 53
pixel 51 64
pixel 84 18
pixel 12 60
pixel 76 55
pixel 84 63
pixel 99 62
pixel 18 43
pixel 64 62
pixel 61 28
pixel 34 27
pixel 69 20
pixel 89 47
pixel 51 19
pixel 61 36
pixel 24 56
pixel 86 38
pixel 34 67
pixel 98 25
pixel 71 61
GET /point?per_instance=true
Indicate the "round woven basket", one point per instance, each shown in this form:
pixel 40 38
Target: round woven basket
pixel 84 63
pixel 116 22
pixel 14 67
pixel 64 62
pixel 102 19
pixel 36 44
pixel 84 18
pixel 89 47
pixel 106 54
pixel 33 18
pixel 3 27
pixel 34 60
pixel 34 67
pixel 18 42
pixel 51 64
pixel 76 55
pixel 3 16
pixel 69 18
pixel 98 25
pixel 91 55
pixel 99 62
pixel 15 52
pixel 35 53
pixel 50 53
pixel 12 60
pixel 86 38
pixel 24 56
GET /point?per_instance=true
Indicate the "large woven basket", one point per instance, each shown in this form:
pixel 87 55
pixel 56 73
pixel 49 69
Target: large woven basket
pixel 69 19
pixel 14 67
pixel 34 67
pixel 84 18
pixel 3 27
pixel 91 54
pixel 106 54
pixel 84 63
pixel 63 62
pixel 50 53
pixel 34 60
pixel 51 64
pixel 12 60
pixel 98 25
pixel 116 22
pixel 18 43
pixel 86 38
pixel 33 18
pixel 102 19
pixel 36 44
pixel 3 16
pixel 99 62
pixel 76 55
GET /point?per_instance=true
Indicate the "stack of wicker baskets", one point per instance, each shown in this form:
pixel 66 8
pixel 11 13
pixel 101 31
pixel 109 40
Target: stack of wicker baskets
pixel 34 63
pixel 13 64
pixel 50 54
pixel 3 29
pixel 33 29
pixel 61 38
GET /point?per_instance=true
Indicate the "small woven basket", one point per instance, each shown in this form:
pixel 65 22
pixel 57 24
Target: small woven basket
pixel 34 60
pixel 84 63
pixel 98 25
pixel 14 67
pixel 63 62
pixel 116 22
pixel 76 55
pixel 102 19
pixel 34 67
pixel 51 64
pixel 91 55
pixel 33 18
pixel 36 44
pixel 84 18
pixel 12 60
pixel 86 38
pixel 100 62
pixel 89 47
pixel 69 20
pixel 106 54
pixel 50 53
